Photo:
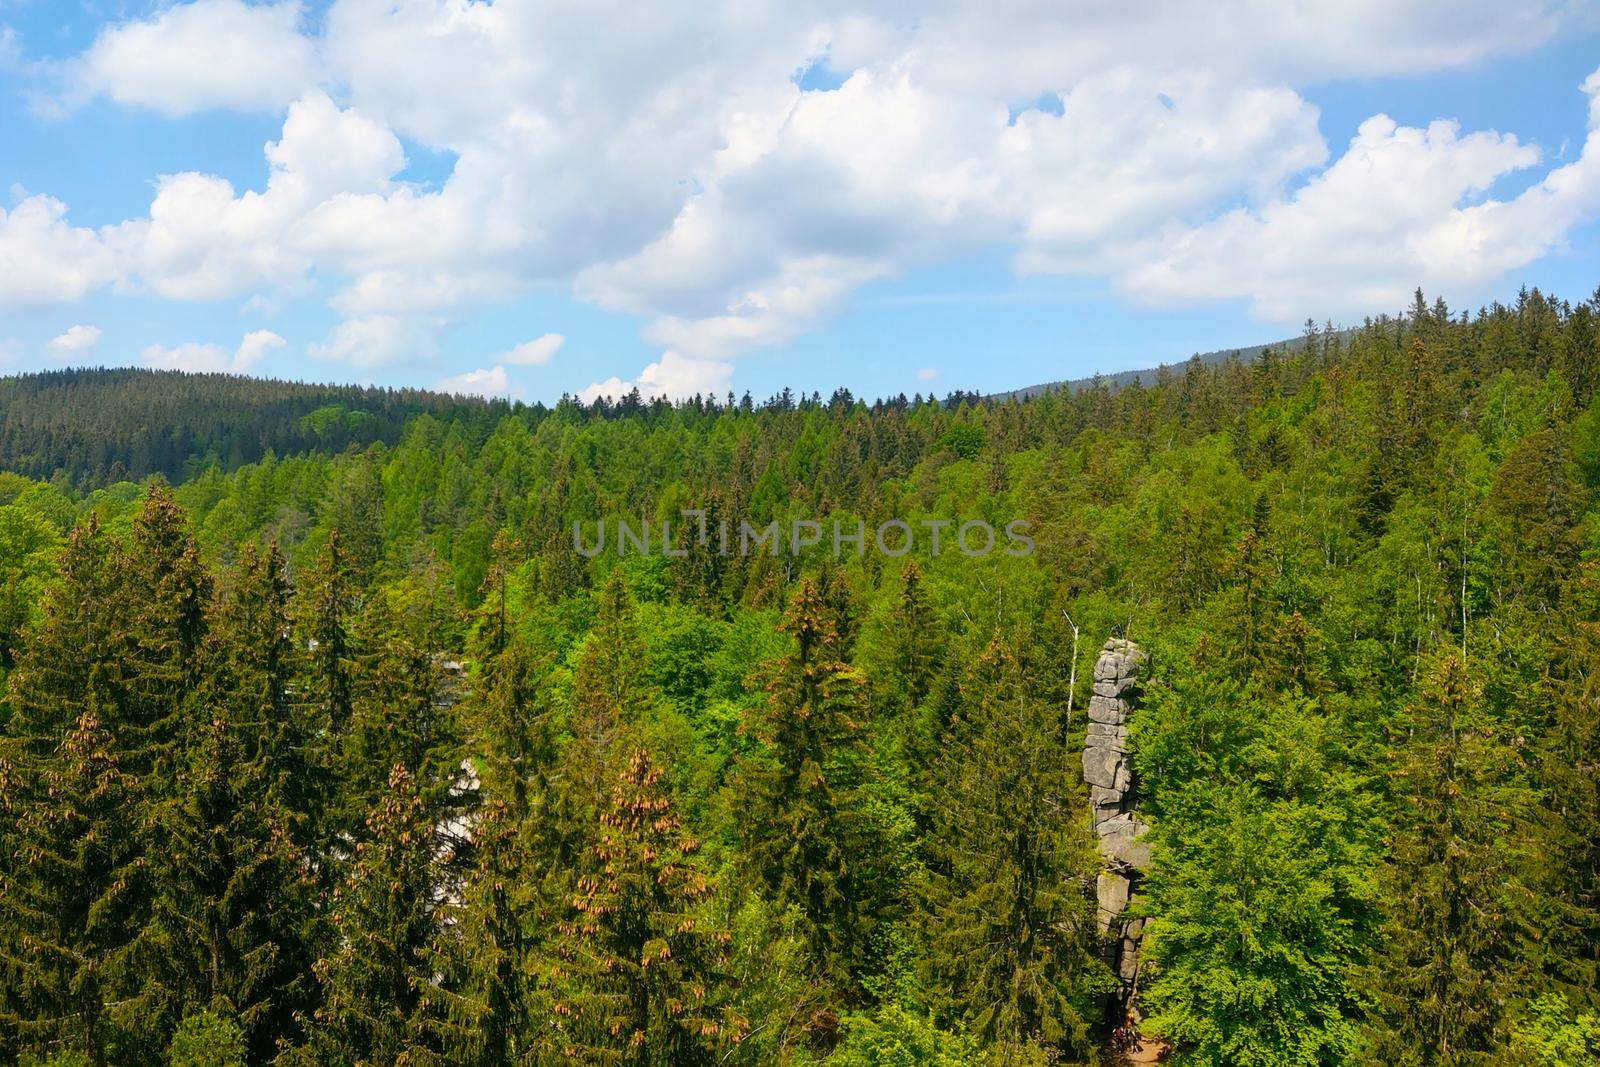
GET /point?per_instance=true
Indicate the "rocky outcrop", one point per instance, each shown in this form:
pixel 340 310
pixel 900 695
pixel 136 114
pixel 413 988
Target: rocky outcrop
pixel 1108 772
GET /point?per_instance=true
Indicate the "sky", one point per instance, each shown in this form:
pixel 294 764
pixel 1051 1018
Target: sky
pixel 528 199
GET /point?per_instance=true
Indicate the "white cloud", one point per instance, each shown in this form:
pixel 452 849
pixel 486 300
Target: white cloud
pixel 927 374
pixel 377 340
pixel 212 358
pixel 671 376
pixel 537 352
pixel 662 162
pixel 75 341
pixel 46 260
pixel 206 54
pixel 254 348
pixel 203 242
pixel 489 382
pixel 1402 207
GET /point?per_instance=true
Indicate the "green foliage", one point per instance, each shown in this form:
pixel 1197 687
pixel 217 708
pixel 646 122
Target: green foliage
pixel 1553 1035
pixel 1362 564
pixel 1010 927
pixel 206 1039
pixel 894 1037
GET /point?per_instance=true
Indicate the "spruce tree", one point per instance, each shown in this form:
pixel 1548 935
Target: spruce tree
pixel 378 977
pixel 1569 769
pixel 482 1009
pixel 74 878
pixel 643 970
pixel 234 885
pixel 609 692
pixel 797 788
pixel 1457 886
pixel 72 893
pixel 1009 907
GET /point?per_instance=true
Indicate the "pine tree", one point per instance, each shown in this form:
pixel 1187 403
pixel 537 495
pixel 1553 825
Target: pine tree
pixel 645 972
pixel 798 787
pixel 1457 892
pixel 1009 911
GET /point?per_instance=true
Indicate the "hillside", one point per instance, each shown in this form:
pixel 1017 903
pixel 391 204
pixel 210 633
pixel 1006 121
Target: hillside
pixel 355 757
pixel 1150 375
pixel 95 426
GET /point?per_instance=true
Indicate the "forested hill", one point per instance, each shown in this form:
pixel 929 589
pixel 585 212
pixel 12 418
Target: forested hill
pixel 1154 375
pixel 96 426
pixel 353 757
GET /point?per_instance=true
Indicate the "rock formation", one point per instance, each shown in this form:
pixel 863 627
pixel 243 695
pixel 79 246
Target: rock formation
pixel 1108 771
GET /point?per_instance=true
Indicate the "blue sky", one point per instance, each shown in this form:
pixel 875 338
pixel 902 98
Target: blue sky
pixel 811 196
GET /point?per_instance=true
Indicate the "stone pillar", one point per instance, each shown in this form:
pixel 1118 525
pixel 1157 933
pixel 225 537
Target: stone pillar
pixel 1108 771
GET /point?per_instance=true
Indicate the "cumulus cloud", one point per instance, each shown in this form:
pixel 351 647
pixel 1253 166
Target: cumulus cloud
pixel 664 162
pixel 379 340
pixel 672 376
pixel 489 382
pixel 206 54
pixel 46 260
pixel 537 352
pixel 213 358
pixel 75 341
pixel 1401 207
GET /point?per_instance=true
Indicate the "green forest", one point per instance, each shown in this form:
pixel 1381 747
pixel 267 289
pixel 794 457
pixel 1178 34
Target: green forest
pixel 321 744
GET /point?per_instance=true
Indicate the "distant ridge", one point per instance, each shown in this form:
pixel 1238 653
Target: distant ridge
pixel 1147 375
pixel 95 426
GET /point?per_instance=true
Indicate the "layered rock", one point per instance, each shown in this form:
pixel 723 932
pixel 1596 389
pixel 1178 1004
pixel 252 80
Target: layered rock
pixel 1108 772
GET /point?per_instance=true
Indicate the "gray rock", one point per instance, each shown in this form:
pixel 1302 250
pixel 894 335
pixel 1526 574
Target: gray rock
pixel 1126 850
pixel 1101 766
pixel 1103 798
pixel 1111 894
pixel 1107 710
pixel 1104 735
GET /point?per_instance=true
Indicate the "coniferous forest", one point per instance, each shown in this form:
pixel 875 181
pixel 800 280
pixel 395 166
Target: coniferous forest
pixel 321 743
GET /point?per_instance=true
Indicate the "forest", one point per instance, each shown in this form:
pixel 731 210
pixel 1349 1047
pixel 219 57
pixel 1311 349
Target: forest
pixel 329 748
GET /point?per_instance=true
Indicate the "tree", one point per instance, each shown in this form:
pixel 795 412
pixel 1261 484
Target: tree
pixel 72 893
pixel 1009 919
pixel 377 980
pixel 234 892
pixel 1456 889
pixel 644 970
pixel 797 787
pixel 73 876
pixel 914 640
pixel 482 1009
pixel 1262 923
pixel 609 692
